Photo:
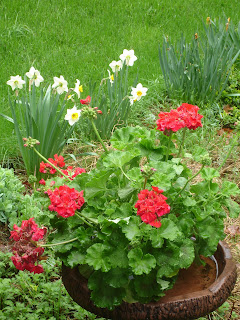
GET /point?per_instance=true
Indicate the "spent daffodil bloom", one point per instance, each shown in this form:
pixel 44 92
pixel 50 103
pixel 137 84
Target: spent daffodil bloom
pixel 34 76
pixel 128 56
pixel 72 115
pixel 78 88
pixel 60 84
pixel 16 82
pixel 110 77
pixel 138 92
pixel 116 65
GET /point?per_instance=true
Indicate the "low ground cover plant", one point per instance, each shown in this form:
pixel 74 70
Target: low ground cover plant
pixel 33 296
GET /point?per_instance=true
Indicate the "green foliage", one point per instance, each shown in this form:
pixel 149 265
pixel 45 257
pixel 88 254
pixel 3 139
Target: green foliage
pixel 11 197
pixel 35 296
pixel 14 206
pixel 198 72
pixel 40 116
pixel 113 243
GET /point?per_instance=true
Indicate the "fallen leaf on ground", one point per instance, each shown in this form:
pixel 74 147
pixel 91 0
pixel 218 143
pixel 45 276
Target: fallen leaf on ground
pixel 233 230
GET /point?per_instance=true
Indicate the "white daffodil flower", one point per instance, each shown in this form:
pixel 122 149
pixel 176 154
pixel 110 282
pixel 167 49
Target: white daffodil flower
pixel 60 84
pixel 138 92
pixel 78 88
pixel 16 82
pixel 110 77
pixel 72 115
pixel 34 76
pixel 132 100
pixel 116 65
pixel 128 56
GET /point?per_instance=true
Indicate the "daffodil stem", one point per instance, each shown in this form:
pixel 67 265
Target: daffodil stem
pixel 169 143
pixel 56 168
pixel 182 142
pixel 229 152
pixel 98 136
pixel 58 243
pixel 190 179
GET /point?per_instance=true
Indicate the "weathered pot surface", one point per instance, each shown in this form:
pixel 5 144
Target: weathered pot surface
pixel 184 301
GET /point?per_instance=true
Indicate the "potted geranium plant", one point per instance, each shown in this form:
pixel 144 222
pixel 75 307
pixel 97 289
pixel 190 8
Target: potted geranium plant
pixel 131 224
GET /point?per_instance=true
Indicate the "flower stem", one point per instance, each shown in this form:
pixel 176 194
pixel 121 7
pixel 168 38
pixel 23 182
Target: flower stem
pixel 229 152
pixel 145 182
pixel 190 179
pixel 83 217
pixel 58 243
pixel 182 143
pixel 169 142
pixel 56 168
pixel 98 136
pixel 124 173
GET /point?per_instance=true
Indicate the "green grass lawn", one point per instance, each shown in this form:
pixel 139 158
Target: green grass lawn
pixel 78 39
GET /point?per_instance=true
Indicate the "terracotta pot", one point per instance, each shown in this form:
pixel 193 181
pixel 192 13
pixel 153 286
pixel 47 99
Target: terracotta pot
pixel 190 297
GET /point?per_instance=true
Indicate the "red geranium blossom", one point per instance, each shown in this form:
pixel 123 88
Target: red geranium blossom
pixel 151 205
pixel 58 161
pixel 26 252
pixel 189 114
pixel 65 201
pixel 72 173
pixel 86 101
pixel 42 181
pixel 170 121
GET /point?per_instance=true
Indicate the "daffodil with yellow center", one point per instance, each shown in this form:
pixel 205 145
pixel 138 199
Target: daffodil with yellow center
pixel 138 92
pixel 72 115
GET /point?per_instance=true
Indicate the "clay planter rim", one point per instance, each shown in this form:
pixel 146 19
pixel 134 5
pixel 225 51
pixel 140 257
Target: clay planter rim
pixel 179 307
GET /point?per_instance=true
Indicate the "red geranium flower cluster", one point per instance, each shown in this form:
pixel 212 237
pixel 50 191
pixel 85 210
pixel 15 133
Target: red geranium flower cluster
pixel 86 101
pixel 65 201
pixel 26 252
pixel 151 205
pixel 58 161
pixel 189 114
pixel 73 172
pixel 184 116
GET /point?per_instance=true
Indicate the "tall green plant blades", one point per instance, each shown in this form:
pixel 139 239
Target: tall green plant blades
pixel 112 99
pixel 40 117
pixel 198 72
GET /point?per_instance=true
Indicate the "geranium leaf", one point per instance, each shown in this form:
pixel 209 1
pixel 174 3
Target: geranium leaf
pixel 118 159
pixel 209 173
pixel 117 277
pixel 229 188
pixel 187 253
pixel 131 230
pixel 96 185
pixel 155 237
pixel 126 138
pixel 103 295
pixel 178 169
pixel 233 207
pixel 75 258
pixel 97 257
pixel 189 202
pixel 169 230
pixel 118 257
pixel 141 263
